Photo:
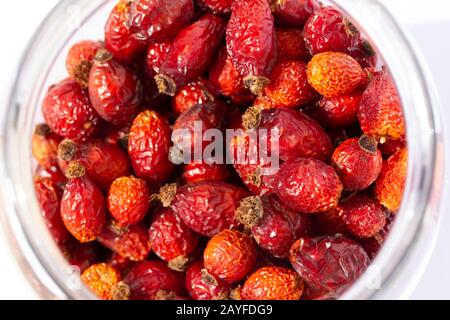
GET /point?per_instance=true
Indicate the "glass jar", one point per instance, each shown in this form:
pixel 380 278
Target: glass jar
pixel 402 260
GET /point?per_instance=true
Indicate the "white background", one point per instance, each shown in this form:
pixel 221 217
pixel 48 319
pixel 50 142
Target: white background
pixel 427 21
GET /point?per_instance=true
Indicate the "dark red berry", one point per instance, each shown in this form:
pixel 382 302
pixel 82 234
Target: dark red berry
pixel 81 255
pixel 54 173
pixel 390 146
pixel 331 222
pixel 193 173
pixel 293 13
pixel 291 45
pixel 119 262
pixel 156 55
pixel 68 111
pixel 79 61
pixel 201 285
pixel 117 136
pixel 222 7
pixel 44 146
pixel 251 42
pixel 194 93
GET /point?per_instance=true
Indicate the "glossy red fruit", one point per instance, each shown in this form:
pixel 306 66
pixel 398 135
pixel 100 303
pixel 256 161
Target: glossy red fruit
pixel 273 283
pixel 128 200
pixel 380 111
pixel 291 45
pixel 82 205
pixel 293 13
pixel 115 91
pixel 194 93
pixel 358 162
pixel 131 242
pixel 68 111
pixel 190 54
pixel 363 217
pixel 148 147
pixel 119 39
pixel 44 145
pixel 308 186
pixel 201 285
pixel 230 256
pixel 104 162
pixel 273 226
pixel 339 112
pixel 205 207
pixel 49 195
pixel 225 78
pixel 331 263
pixel 79 61
pixel 154 20
pixel 193 173
pixel 222 7
pixel 172 240
pixel 151 280
pixel 251 42
pixel 101 279
pixel 156 55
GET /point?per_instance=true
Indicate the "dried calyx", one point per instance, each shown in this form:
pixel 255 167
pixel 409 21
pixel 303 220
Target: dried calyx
pixel 166 194
pixel 75 170
pixel 178 264
pixel 67 150
pixel 256 84
pixel 120 291
pixel 166 85
pixel 103 56
pixel 42 130
pixel 252 118
pixel 250 212
pixel 368 144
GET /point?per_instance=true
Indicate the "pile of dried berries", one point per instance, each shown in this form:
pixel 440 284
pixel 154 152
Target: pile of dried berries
pixel 141 227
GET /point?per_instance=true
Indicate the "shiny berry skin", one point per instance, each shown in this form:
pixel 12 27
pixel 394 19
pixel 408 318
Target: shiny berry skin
pixel 131 242
pixel 156 55
pixel 154 20
pixel 225 78
pixel 115 91
pixel 251 42
pixel 79 61
pixel 222 7
pixel 119 39
pixel 308 186
pixel 206 207
pixel 334 74
pixel 44 146
pixel 273 283
pixel 293 13
pixel 390 185
pixel 83 205
pixel 358 162
pixel 363 217
pixel 104 162
pixel 273 226
pixel 193 173
pixel 172 240
pixel 203 286
pixel 68 111
pixel 331 263
pixel 148 147
pixel 390 146
pixel 380 112
pixel 230 256
pixel 291 45
pixel 128 200
pixel 101 278
pixel 191 53
pixel 151 280
pixel 197 92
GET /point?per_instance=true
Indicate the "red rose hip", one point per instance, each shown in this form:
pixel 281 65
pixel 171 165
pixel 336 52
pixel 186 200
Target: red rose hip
pixel 291 45
pixel 194 93
pixel 201 285
pixel 222 7
pixel 80 59
pixel 293 13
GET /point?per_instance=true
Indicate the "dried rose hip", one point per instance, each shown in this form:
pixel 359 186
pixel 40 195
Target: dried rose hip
pixel 117 136
pixel 331 222
pixel 150 280
pixel 193 173
pixel 205 207
pixel 251 42
pixel 331 263
pixel 201 285
pixel 358 162
pixel 156 55
pixel 172 240
pixel 79 61
pixel 273 283
pixel 273 226
pixel 390 185
pixel 380 111
pixel 154 20
pixel 335 74
pixel 222 7
pixel 390 146
pixel 103 162
pixel 119 39
pixel 131 242
pixel 308 186
pixel 194 93
pixel 128 200
pixel 82 205
pixel 148 147
pixel 68 111
pixel 115 90
pixel 190 54
pixel 44 145
pixel 374 244
pixel 230 256
pixel 53 173
pixel 363 216
pixel 119 262
pixel 101 279
pixel 293 13
pixel 291 45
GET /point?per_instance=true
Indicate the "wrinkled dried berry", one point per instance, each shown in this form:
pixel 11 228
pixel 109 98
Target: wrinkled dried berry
pixel 201 285
pixel 293 13
pixel 79 61
pixel 101 279
pixel 331 222
pixel 193 173
pixel 194 93
pixel 291 45
pixel 44 146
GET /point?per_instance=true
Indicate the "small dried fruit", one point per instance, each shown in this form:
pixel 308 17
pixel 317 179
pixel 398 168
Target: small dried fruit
pixel 195 93
pixel 53 173
pixel 390 146
pixel 201 285
pixel 193 173
pixel 331 222
pixel 293 13
pixel 44 146
pixel 222 7
pixel 273 283
pixel 79 61
pixel 101 279
pixel 230 255
pixel 291 45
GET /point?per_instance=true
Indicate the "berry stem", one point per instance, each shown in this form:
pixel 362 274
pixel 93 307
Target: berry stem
pixel 256 84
